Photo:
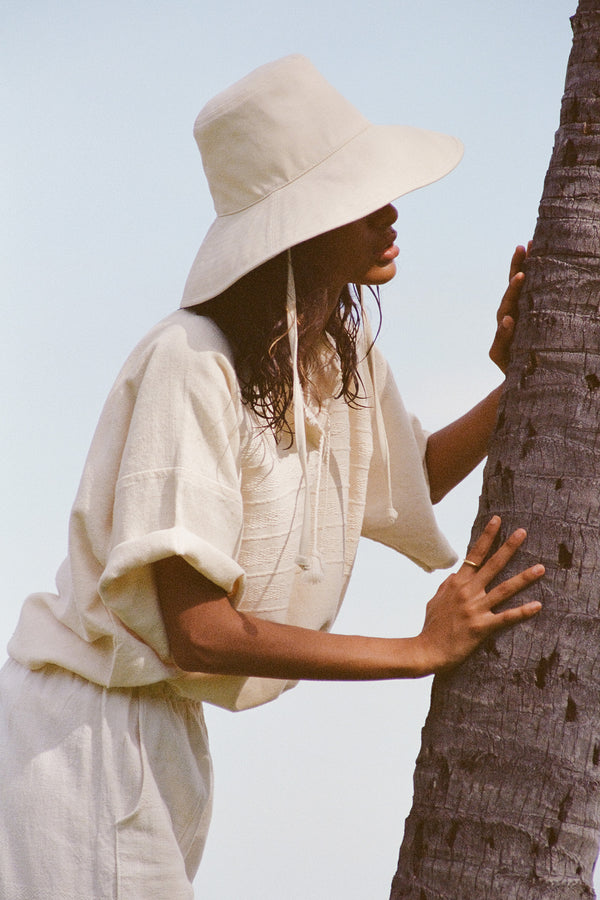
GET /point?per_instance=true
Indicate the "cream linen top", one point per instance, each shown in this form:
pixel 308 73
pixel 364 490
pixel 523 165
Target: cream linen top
pixel 178 466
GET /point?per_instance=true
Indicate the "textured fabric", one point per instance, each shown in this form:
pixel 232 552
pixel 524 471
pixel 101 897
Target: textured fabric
pixel 179 467
pixel 106 794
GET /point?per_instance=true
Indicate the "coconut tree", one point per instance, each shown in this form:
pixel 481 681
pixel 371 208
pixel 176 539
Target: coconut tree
pixel 507 783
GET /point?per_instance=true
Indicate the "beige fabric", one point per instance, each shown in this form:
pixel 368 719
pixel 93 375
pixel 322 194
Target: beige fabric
pixel 287 158
pixel 177 466
pixel 106 795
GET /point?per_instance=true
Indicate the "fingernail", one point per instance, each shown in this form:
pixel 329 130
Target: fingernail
pixel 539 569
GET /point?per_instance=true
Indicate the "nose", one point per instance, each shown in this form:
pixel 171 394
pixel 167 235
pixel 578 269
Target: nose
pixel 384 217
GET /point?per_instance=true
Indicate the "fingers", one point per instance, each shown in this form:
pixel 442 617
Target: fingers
pixel 510 300
pixel 483 544
pixel 500 349
pixel 485 570
pixel 514 585
pixel 494 565
pixel 516 276
pixel 518 259
pixel 488 569
pixel 508 310
pixel 515 614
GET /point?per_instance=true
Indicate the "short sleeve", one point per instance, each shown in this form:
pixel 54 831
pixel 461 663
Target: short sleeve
pixel 408 524
pixel 177 490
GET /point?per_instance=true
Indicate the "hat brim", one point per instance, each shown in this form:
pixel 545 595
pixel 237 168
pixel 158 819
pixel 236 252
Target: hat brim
pixel 377 166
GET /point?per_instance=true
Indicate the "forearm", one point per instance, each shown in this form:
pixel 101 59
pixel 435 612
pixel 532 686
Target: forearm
pixel 206 634
pixel 246 645
pixel 454 451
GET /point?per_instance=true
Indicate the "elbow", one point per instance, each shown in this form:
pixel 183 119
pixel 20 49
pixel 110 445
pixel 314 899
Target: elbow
pixel 194 656
pixel 212 647
pixel 186 656
pixel 199 620
pixel 437 490
pixel 436 494
pixel 437 480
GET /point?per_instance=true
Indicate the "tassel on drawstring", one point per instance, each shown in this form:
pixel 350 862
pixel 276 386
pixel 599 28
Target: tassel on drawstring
pixel 307 558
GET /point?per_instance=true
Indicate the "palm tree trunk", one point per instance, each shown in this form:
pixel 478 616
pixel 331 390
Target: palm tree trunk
pixel 507 783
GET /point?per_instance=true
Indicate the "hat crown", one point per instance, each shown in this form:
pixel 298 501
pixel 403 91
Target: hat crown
pixel 268 129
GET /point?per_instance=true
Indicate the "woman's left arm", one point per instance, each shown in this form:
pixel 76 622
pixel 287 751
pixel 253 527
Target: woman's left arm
pixel 455 450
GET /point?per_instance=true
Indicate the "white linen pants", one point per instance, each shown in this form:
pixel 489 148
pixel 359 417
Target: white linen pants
pixel 104 794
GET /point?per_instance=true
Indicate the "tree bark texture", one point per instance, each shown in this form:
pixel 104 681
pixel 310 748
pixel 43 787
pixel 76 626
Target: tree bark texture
pixel 507 783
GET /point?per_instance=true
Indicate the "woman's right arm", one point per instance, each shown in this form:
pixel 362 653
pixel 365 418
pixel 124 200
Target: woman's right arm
pixel 206 633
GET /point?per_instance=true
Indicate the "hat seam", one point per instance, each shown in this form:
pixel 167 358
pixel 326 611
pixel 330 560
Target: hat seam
pixel 301 174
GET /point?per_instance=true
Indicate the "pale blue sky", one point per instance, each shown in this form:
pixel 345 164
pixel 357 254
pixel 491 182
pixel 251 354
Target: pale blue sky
pixel 104 207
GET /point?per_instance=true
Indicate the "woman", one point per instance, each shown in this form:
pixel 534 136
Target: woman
pixel 250 439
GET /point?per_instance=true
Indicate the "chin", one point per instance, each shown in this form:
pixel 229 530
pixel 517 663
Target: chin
pixel 378 275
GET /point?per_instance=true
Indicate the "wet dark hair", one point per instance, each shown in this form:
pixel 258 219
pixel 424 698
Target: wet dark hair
pixel 252 315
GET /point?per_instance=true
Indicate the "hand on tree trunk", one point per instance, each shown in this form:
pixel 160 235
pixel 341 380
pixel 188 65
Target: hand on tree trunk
pixel 508 311
pixel 461 614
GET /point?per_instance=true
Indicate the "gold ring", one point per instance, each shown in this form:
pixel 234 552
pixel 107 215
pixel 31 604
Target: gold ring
pixel 468 562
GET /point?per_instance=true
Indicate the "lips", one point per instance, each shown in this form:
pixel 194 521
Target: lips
pixel 390 251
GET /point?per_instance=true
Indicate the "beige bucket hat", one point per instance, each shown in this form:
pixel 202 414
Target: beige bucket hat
pixel 288 158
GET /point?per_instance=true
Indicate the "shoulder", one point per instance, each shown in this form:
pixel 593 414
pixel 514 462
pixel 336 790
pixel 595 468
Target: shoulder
pixel 187 333
pixel 183 346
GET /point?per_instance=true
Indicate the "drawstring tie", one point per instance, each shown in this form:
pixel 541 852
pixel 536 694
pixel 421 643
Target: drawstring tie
pixel 307 558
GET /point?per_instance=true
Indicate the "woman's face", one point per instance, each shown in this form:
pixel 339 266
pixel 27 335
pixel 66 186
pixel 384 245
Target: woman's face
pixel 362 252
